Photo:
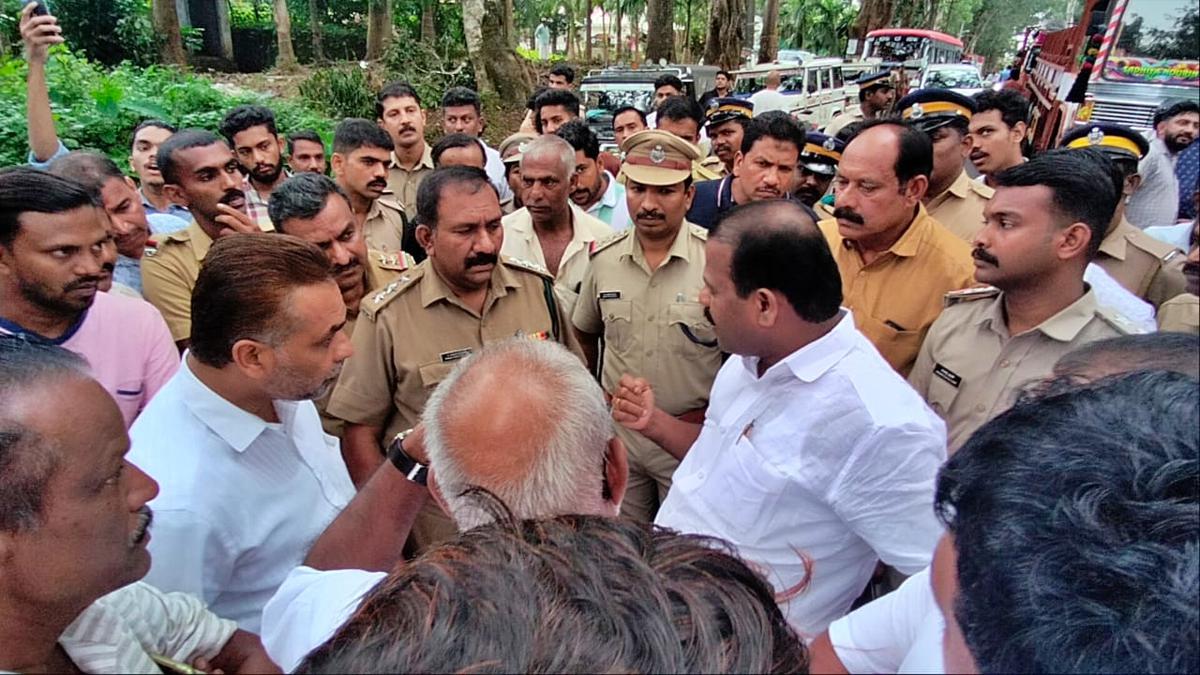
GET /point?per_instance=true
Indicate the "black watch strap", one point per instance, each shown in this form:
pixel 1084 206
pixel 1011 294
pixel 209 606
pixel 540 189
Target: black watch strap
pixel 411 468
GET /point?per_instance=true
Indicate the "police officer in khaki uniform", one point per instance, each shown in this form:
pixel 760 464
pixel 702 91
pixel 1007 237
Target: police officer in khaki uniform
pixel 953 199
pixel 818 165
pixel 876 92
pixel 725 122
pixel 362 153
pixel 641 295
pixel 1149 268
pixel 989 343
pixel 411 332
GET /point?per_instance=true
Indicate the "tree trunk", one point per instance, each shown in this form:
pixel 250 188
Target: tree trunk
pixel 509 27
pixel 316 15
pixel 769 44
pixel 428 23
pixel 687 33
pixel 725 26
pixel 874 14
pixel 498 67
pixel 587 30
pixel 166 21
pixel 660 31
pixel 604 26
pixel 572 38
pixel 620 27
pixel 286 59
pixel 748 32
pixel 379 28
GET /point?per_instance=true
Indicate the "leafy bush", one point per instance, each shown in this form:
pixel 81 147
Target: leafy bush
pixel 108 31
pixel 97 108
pixel 340 92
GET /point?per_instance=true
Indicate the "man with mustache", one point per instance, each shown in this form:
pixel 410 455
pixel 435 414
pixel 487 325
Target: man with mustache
pixel 895 261
pixel 1176 125
pixel 398 111
pixel 818 165
pixel 200 172
pixel 763 168
pixel 876 93
pixel 462 113
pixel 411 332
pixel 550 232
pixel 596 190
pixel 74 526
pixel 641 295
pixel 1182 313
pixel 54 240
pixel 250 131
pixel 306 152
pixel 362 159
pixel 1041 228
pixel 997 131
pixel 247 478
pixel 726 119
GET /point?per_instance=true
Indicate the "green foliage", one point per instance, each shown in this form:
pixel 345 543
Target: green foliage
pixel 340 92
pixel 431 70
pixel 97 108
pixel 819 26
pixel 108 31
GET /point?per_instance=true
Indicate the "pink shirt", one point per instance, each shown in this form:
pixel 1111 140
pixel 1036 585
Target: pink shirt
pixel 127 345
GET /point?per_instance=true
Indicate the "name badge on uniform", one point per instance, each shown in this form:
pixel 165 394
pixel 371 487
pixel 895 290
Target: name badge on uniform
pixel 948 375
pixel 610 295
pixel 455 355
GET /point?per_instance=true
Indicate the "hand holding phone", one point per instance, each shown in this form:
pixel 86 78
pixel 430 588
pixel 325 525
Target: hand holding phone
pixel 41 8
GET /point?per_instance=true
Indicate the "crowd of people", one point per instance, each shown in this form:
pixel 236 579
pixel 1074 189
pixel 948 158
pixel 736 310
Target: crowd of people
pixel 742 396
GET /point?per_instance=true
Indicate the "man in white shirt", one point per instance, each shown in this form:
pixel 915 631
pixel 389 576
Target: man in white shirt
pixel 248 478
pixel 815 458
pixel 769 97
pixel 1156 202
pixel 559 456
pixel 462 113
pixel 73 531
pixel 596 190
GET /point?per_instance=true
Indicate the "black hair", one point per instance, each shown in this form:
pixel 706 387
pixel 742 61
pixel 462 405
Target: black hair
pixel 184 139
pixel 303 135
pixel 668 80
pixel 726 73
pixel 28 190
pixel 564 71
pixel 577 133
pixel 396 89
pixel 429 194
pixel 456 141
pixel 1170 109
pixel 628 108
pixel 151 123
pixel 89 169
pixel 782 129
pixel 456 97
pixel 246 117
pixel 1013 106
pixel 1076 519
pixel 679 108
pixel 353 133
pixel 554 97
pixel 864 92
pixel 1179 352
pixel 301 197
pixel 531 102
pixel 1083 190
pixel 777 245
pixel 915 157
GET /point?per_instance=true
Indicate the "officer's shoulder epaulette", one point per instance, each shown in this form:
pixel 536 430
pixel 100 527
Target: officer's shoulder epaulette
pixel 377 300
pixel 527 265
pixel 1159 249
pixel 712 162
pixel 396 261
pixel 391 202
pixel 1118 321
pixel 968 294
pixel 608 241
pixel 696 231
pixel 981 189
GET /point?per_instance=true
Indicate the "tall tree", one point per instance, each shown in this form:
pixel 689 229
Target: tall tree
pixel 768 46
pixel 166 20
pixel 660 30
pixel 428 21
pixel 379 28
pixel 286 59
pixel 726 22
pixel 316 20
pixel 620 26
pixel 587 30
pixel 872 15
pixel 499 69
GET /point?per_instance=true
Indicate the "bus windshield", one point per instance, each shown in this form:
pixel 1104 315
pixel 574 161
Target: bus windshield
pixel 1156 43
pixel 897 48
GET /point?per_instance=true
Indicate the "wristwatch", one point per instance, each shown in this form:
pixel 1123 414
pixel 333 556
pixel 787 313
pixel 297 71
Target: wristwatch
pixel 411 468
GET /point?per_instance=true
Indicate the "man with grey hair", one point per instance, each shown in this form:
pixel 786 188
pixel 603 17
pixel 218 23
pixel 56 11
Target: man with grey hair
pixel 550 230
pixel 559 454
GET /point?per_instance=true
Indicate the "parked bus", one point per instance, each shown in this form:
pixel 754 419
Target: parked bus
pixel 912 47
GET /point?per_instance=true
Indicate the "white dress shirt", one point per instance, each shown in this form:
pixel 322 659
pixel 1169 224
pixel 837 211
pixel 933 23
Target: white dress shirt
pixel 495 171
pixel 830 455
pixel 898 633
pixel 122 631
pixel 240 500
pixel 612 207
pixel 1111 295
pixel 309 607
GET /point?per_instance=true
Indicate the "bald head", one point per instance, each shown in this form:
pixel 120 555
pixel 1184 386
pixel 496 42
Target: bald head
pixel 526 421
pixel 773 79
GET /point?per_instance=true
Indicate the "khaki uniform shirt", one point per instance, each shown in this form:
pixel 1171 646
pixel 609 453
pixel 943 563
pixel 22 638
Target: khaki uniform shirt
pixel 169 274
pixel 851 115
pixel 404 182
pixel 715 165
pixel 970 369
pixel 521 242
pixel 701 172
pixel 897 297
pixel 960 207
pixel 1180 314
pixel 411 332
pixel 384 225
pixel 1148 268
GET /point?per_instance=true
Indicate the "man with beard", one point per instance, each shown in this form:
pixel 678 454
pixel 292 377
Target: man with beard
pixel 250 131
pixel 1042 227
pixel 722 88
pixel 596 190
pixel 818 165
pixel 763 168
pixel 398 111
pixel 53 243
pixel 1182 313
pixel 247 478
pixel 727 119
pixel 411 333
pixel 306 152
pixel 1176 125
pixel 199 171
pixel 641 295
pixel 362 158
pixel 876 93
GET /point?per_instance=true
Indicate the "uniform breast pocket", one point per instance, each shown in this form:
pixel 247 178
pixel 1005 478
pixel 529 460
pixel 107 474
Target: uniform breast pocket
pixel 941 393
pixel 690 331
pixel 433 373
pixel 896 343
pixel 746 489
pixel 618 324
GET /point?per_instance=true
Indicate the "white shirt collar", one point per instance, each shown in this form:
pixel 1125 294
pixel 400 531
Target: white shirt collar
pixel 814 359
pixel 235 426
pixel 609 198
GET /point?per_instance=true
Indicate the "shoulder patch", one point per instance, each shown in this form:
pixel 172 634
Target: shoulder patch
pixel 609 241
pixel 376 301
pixel 177 235
pixel 391 203
pixel 1159 249
pixel 981 189
pixel 697 231
pixel 968 294
pixel 527 265
pixel 397 262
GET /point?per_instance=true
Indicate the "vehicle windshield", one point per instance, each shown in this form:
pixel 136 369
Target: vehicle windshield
pixel 897 48
pixel 613 96
pixel 953 78
pixel 1156 43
